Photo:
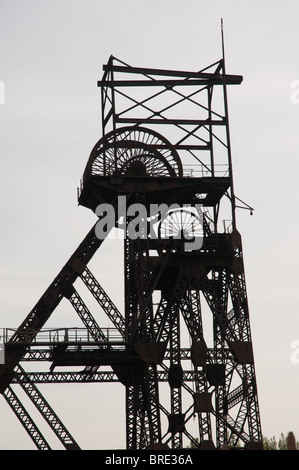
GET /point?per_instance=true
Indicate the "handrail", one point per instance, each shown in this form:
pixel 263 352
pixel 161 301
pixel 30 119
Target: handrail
pixel 59 335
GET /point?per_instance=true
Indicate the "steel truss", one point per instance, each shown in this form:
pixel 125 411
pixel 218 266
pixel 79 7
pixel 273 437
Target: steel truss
pixel 160 340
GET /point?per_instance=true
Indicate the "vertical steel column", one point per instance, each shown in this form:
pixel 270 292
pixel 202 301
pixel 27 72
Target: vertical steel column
pixel 143 413
pixel 191 311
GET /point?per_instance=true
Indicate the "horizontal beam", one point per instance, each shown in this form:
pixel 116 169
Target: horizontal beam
pixel 83 377
pixel 214 80
pixel 46 354
pixel 191 122
pixel 171 73
pixel 154 71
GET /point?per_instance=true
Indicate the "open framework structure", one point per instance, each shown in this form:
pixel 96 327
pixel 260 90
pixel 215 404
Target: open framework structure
pixel 181 347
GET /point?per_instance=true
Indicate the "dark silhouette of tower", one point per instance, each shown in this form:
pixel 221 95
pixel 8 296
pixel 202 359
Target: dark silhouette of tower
pixel 162 175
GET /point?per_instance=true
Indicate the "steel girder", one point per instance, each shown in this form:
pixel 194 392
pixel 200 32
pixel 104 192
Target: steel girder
pixel 46 410
pixel 25 419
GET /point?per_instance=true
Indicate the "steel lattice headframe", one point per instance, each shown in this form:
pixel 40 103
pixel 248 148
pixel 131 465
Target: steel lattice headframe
pixel 182 346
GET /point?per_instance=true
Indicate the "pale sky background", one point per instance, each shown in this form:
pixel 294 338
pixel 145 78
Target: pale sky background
pixel 51 56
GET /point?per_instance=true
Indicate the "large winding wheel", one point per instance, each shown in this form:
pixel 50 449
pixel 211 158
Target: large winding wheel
pixel 134 151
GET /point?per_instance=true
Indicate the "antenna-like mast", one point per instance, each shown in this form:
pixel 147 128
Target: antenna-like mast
pixel 227 131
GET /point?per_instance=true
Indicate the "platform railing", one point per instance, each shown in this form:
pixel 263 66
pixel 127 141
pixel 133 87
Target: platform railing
pixel 205 171
pixel 59 335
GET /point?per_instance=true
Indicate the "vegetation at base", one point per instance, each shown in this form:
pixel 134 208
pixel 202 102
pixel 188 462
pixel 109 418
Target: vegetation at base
pixel 285 442
pixel 282 443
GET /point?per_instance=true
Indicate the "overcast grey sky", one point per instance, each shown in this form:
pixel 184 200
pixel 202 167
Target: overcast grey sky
pixel 51 56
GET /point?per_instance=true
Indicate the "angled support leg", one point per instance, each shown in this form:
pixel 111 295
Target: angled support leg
pixel 25 419
pixel 104 300
pixel 46 411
